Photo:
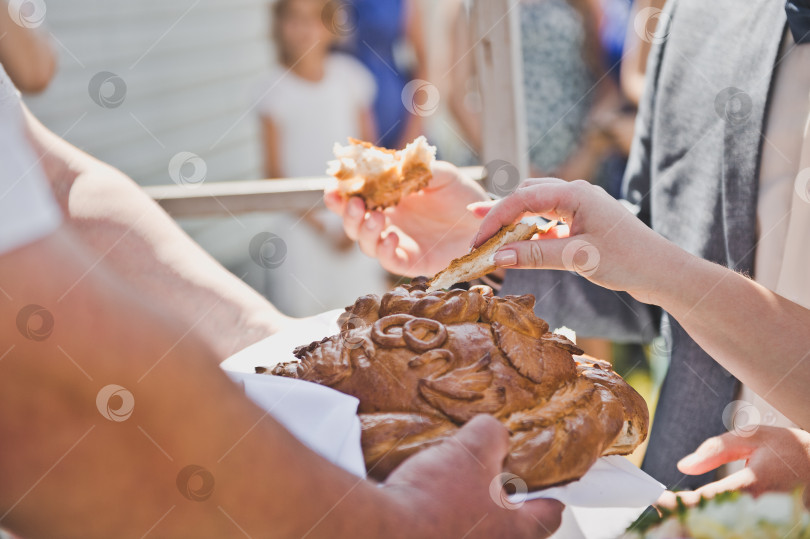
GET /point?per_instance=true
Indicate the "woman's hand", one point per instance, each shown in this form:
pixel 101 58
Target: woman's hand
pixel 424 232
pixel 602 241
pixel 777 459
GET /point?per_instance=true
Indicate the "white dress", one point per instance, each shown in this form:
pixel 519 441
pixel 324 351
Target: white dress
pixel 28 210
pixel 310 117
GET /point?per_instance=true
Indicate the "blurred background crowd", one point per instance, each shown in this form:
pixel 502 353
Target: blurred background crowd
pixel 235 90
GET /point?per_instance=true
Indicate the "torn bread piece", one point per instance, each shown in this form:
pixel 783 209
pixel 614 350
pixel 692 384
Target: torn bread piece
pixel 481 261
pixel 381 177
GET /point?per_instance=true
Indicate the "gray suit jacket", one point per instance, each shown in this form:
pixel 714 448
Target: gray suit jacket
pixel 693 173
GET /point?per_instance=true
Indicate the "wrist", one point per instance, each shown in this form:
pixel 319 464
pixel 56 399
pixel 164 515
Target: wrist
pixel 404 517
pixel 664 273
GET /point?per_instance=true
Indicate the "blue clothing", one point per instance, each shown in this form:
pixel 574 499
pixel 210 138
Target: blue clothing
pixel 615 18
pixel 380 27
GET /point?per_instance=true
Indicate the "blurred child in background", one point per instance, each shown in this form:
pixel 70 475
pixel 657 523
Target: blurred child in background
pixel 313 98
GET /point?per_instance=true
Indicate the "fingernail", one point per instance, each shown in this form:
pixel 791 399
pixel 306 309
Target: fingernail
pixel 507 257
pixel 474 241
pixel 687 461
pixel 370 224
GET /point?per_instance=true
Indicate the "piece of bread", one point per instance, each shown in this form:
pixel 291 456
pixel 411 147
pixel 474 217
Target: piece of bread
pixel 481 261
pixel 381 177
pixel 423 364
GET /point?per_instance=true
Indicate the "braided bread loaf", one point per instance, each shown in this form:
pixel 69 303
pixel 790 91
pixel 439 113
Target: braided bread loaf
pixel 422 364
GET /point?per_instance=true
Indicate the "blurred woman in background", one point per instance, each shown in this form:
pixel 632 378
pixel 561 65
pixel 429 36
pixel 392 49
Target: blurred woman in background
pixel 387 37
pixel 564 85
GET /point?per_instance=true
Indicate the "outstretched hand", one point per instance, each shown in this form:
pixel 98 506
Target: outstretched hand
pixel 424 232
pixel 777 459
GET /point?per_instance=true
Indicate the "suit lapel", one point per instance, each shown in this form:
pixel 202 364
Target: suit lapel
pixel 745 112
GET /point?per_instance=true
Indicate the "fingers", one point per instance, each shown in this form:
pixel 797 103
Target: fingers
pixel 481 209
pixel 666 500
pixel 553 200
pixel 486 440
pixel 334 200
pixel 743 480
pixel 392 256
pixel 354 211
pixel 557 232
pixel 539 181
pixel 367 229
pixel 547 513
pixel 369 233
pixel 543 253
pixel 715 452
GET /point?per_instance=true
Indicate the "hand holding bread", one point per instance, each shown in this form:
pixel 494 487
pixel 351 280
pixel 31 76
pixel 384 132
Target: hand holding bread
pixel 603 241
pixel 424 231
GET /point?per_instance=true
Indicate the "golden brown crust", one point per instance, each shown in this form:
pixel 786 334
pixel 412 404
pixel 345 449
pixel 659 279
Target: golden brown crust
pixel 636 415
pixel 378 192
pixel 558 441
pixel 422 364
pixel 481 260
pixel 390 438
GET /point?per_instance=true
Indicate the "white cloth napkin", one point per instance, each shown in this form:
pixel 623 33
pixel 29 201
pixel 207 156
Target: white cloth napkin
pixel 323 419
pixel 600 505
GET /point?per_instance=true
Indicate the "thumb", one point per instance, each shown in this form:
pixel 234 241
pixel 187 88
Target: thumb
pixel 572 254
pixel 486 440
pixel 715 452
pixel 334 200
pixel 546 512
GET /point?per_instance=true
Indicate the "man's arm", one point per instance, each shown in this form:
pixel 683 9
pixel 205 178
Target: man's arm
pixel 132 235
pixel 80 462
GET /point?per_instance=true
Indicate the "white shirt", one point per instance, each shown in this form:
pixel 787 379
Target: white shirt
pixel 780 235
pixel 312 116
pixel 782 258
pixel 28 210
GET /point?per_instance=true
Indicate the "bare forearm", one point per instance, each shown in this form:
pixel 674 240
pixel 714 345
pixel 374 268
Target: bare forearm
pixel 761 337
pixel 136 238
pixel 103 478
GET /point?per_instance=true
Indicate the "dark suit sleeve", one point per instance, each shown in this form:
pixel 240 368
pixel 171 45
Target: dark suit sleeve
pixel 566 299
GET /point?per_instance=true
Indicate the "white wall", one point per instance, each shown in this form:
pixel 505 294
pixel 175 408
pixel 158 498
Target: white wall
pixel 189 66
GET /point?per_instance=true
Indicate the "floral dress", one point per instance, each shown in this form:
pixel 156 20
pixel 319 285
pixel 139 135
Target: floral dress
pixel 557 80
